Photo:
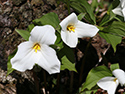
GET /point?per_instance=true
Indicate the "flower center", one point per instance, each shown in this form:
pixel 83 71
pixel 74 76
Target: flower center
pixel 36 47
pixel 115 79
pixel 71 28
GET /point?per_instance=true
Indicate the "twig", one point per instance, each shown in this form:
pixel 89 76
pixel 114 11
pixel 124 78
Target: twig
pixel 36 83
pixel 83 61
pixel 44 74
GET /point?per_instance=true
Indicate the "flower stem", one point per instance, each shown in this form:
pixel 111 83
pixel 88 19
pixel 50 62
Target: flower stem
pixel 44 74
pixel 36 82
pixel 83 62
pixel 58 83
pixel 71 82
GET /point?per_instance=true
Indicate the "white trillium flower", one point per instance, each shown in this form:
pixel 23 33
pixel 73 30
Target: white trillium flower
pixel 72 29
pixel 120 75
pixel 110 83
pixel 37 51
pixel 120 9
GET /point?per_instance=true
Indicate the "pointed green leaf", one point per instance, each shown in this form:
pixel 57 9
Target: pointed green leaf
pixel 66 64
pixel 25 34
pixel 95 75
pixel 9 66
pixel 94 3
pixel 48 19
pixel 90 91
pixel 67 58
pixel 114 4
pixel 80 16
pixel 86 91
pixel 84 6
pixel 88 8
pixel 116 28
pixel 109 16
pixel 111 39
pixel 59 41
pixel 114 66
pixel 30 27
pixel 77 7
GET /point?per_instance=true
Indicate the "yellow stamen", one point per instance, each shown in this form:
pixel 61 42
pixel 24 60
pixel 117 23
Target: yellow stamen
pixel 36 47
pixel 115 79
pixel 71 28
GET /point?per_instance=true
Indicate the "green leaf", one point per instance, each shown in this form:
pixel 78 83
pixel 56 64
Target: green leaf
pixel 67 64
pixel 9 66
pixel 88 8
pixel 77 7
pixel 30 27
pixel 92 91
pixel 59 41
pixel 109 16
pixel 114 4
pixel 48 19
pixel 104 20
pixel 111 39
pixel 25 34
pixel 116 28
pixel 113 33
pixel 67 58
pixel 84 6
pixel 94 3
pixel 95 75
pixel 80 16
pixel 114 66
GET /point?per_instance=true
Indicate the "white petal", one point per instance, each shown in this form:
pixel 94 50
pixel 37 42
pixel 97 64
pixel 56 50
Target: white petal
pixel 122 2
pixel 69 38
pixel 25 57
pixel 49 60
pixel 118 11
pixel 70 20
pixel 107 83
pixel 123 11
pixel 120 75
pixel 43 34
pixel 85 30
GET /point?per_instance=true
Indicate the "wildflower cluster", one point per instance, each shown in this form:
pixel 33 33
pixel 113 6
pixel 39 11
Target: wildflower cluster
pixel 50 44
pixel 37 50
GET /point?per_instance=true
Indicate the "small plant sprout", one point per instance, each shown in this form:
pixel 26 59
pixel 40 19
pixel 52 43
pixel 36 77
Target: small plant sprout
pixel 72 29
pixel 110 83
pixel 37 51
pixel 120 9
